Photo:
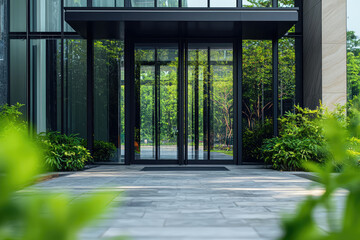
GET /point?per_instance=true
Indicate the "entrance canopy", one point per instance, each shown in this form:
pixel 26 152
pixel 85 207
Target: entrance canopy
pixel 250 23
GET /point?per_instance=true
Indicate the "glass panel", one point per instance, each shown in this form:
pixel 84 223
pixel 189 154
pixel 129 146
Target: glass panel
pixel 287 68
pixel 18 73
pixel 45 72
pixel 286 3
pixel 73 3
pixel 257 105
pixel 3 51
pixel 167 3
pixel 223 3
pixel 143 3
pixel 257 3
pixel 18 15
pixel 353 48
pixel 197 76
pixel 221 104
pixel 168 86
pixel 75 87
pixel 45 16
pixel 108 3
pixel 195 3
pixel 146 144
pixel 156 81
pixel 109 90
pixel 210 102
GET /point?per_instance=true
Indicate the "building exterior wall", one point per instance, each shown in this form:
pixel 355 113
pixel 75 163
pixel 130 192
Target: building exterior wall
pixel 3 52
pixel 324 52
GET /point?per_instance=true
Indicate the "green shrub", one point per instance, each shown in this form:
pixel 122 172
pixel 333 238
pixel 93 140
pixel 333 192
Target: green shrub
pixel 300 140
pixel 35 214
pixel 253 139
pixel 64 153
pixel 103 151
pixel 306 223
pixel 12 116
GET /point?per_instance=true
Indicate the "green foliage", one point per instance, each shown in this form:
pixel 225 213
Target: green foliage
pixel 64 153
pixel 253 138
pixel 339 140
pixel 300 140
pixel 353 64
pixel 103 151
pixel 12 115
pixel 37 215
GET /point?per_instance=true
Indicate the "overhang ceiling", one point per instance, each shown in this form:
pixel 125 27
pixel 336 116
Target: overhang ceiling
pixel 112 23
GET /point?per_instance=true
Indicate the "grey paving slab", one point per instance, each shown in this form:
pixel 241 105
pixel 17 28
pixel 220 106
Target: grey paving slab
pixel 246 202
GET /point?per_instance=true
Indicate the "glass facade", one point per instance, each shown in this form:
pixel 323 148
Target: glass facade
pixel 4 36
pixel 184 98
pixel 353 49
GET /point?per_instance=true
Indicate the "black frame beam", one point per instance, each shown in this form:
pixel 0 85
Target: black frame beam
pixel 275 53
pixel 90 95
pixel 238 75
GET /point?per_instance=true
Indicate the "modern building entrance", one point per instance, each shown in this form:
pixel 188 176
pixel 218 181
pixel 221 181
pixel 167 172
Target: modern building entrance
pixel 193 93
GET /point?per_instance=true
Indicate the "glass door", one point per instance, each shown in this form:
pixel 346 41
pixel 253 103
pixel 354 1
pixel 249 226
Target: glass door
pixel 210 113
pixel 156 81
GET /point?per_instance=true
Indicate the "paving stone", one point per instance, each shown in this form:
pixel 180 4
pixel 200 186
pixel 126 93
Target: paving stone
pixel 246 202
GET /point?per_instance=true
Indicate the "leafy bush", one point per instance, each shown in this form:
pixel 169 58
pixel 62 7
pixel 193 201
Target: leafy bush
pixel 305 223
pixel 64 152
pixel 37 214
pixel 253 139
pixel 12 116
pixel 300 140
pixel 103 151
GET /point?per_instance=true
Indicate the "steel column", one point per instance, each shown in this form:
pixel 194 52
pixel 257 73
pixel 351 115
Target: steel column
pixel 275 53
pixel 238 75
pixel 130 104
pixel 90 95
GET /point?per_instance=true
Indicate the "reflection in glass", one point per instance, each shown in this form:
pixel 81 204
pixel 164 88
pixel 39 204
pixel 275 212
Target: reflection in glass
pixel 195 3
pixel 223 3
pixel 287 68
pixel 167 3
pixel 257 105
pixel 257 3
pixel 18 73
pixel 210 103
pixel 353 49
pixel 156 81
pixel 17 15
pixel 108 3
pixel 286 3
pixel 4 36
pixel 75 84
pixel 142 3
pixel 108 95
pixel 45 72
pixel 45 16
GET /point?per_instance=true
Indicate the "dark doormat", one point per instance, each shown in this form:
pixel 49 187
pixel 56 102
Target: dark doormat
pixel 148 169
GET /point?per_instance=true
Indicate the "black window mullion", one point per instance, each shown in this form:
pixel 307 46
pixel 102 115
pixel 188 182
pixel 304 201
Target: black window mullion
pixel 275 3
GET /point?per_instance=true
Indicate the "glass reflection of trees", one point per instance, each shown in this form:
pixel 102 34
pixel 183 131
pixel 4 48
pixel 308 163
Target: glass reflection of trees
pixel 353 65
pixel 210 103
pixel 156 82
pixel 258 92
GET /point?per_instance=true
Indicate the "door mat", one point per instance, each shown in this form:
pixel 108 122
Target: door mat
pixel 178 169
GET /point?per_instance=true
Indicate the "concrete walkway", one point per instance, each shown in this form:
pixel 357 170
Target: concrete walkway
pixel 243 203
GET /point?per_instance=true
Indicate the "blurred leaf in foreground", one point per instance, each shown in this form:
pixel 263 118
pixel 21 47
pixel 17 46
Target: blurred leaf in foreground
pixel 32 214
pixel 342 144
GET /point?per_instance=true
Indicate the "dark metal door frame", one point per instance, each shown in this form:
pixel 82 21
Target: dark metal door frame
pixel 182 101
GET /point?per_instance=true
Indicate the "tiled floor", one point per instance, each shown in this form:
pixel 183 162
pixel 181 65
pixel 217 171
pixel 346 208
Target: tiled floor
pixel 243 203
